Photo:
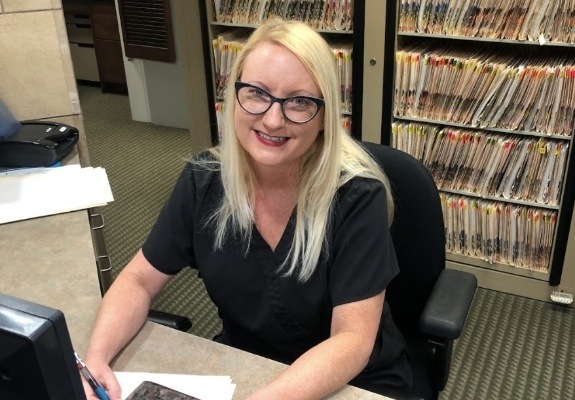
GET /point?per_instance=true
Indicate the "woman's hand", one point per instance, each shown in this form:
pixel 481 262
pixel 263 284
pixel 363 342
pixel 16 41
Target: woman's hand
pixel 123 311
pixel 105 377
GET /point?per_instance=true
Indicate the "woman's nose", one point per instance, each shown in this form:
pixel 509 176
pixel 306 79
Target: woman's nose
pixel 274 117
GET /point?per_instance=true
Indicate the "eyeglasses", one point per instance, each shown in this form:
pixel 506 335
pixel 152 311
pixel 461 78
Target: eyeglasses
pixel 297 109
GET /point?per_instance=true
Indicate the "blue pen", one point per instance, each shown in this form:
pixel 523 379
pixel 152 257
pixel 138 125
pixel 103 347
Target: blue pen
pixel 96 387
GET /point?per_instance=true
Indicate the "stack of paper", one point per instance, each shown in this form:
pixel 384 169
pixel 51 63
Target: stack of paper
pixel 226 48
pixel 496 232
pixel 329 15
pixel 201 386
pixel 52 191
pixel 535 20
pixel 487 89
pixel 487 164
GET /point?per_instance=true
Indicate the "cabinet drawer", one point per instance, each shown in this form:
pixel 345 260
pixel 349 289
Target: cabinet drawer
pixel 76 6
pixel 77 18
pixel 103 6
pixel 80 33
pixel 84 61
pixel 110 61
pixel 105 26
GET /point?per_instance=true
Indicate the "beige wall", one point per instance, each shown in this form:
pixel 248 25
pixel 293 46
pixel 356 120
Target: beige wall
pixel 36 75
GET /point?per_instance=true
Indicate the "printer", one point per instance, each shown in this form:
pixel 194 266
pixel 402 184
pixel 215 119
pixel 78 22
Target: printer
pixel 37 144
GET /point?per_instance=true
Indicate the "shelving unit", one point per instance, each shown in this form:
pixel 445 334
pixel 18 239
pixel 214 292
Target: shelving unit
pixel 363 12
pixel 426 94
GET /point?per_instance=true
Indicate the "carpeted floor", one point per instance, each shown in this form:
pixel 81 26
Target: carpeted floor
pixel 511 348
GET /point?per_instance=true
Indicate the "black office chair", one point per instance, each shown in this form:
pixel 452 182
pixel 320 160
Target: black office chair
pixel 429 303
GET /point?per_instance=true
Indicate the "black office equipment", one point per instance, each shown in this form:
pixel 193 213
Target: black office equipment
pixel 36 356
pixel 170 320
pixel 37 144
pixel 429 302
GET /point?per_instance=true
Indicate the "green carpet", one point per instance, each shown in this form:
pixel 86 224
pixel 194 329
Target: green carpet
pixel 514 348
pixel 511 348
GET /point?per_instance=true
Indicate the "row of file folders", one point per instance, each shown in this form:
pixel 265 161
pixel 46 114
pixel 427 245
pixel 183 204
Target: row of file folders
pixel 319 14
pixel 227 46
pixel 496 232
pixel 534 20
pixel 488 165
pixel 487 88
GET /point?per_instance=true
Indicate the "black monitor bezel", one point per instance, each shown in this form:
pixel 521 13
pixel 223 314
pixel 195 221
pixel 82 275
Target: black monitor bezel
pixel 44 331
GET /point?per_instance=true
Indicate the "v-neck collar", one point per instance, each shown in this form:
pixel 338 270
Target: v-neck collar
pixel 284 244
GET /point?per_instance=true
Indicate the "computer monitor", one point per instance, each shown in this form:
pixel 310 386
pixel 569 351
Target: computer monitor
pixel 36 355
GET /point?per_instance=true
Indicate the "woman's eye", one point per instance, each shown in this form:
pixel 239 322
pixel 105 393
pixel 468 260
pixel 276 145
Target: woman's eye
pixel 257 92
pixel 299 102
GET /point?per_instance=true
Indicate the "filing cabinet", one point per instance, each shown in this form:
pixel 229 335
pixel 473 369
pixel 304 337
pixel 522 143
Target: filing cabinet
pixel 108 45
pixel 103 262
pixel 95 43
pixel 81 41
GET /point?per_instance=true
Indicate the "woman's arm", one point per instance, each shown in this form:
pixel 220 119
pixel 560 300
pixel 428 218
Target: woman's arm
pixel 122 313
pixel 333 363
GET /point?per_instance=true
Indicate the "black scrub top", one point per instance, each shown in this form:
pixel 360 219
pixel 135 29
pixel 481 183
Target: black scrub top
pixel 264 312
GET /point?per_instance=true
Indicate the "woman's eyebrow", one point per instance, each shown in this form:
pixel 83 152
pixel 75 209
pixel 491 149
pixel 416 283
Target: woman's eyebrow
pixel 294 93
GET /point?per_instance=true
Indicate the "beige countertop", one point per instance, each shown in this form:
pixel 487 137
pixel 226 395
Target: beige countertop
pixel 50 261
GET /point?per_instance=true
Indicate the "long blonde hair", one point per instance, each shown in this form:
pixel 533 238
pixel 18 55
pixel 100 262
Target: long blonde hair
pixel 332 160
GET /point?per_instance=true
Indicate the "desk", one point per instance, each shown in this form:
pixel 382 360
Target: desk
pixel 50 261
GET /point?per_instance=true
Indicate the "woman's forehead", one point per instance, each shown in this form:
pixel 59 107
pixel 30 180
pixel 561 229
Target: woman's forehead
pixel 274 65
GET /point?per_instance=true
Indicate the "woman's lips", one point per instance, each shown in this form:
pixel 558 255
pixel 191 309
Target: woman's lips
pixel 272 140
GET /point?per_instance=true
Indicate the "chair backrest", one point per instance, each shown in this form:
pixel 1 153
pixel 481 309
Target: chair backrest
pixel 417 232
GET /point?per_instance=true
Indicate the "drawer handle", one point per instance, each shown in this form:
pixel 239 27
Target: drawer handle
pixel 83 26
pixel 86 45
pixel 102 223
pixel 109 263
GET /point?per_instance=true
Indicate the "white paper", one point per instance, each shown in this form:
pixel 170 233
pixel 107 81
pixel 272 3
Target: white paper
pixel 203 387
pixel 52 191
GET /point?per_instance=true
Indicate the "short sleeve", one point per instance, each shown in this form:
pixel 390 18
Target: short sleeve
pixel 363 257
pixel 169 246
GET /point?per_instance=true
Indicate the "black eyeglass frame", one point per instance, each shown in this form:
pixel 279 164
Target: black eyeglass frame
pixel 319 102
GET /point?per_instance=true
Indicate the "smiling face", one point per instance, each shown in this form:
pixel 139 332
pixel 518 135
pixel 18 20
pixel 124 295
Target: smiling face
pixel 274 143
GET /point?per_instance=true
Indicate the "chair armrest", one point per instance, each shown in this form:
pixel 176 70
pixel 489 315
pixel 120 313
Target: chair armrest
pixel 174 321
pixel 448 305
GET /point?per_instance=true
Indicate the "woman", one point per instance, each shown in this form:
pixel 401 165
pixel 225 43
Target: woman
pixel 287 223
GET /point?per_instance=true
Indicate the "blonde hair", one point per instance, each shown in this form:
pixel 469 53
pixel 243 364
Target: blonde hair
pixel 332 160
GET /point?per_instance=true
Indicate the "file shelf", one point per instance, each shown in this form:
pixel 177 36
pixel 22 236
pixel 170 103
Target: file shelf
pixel 349 39
pixel 492 42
